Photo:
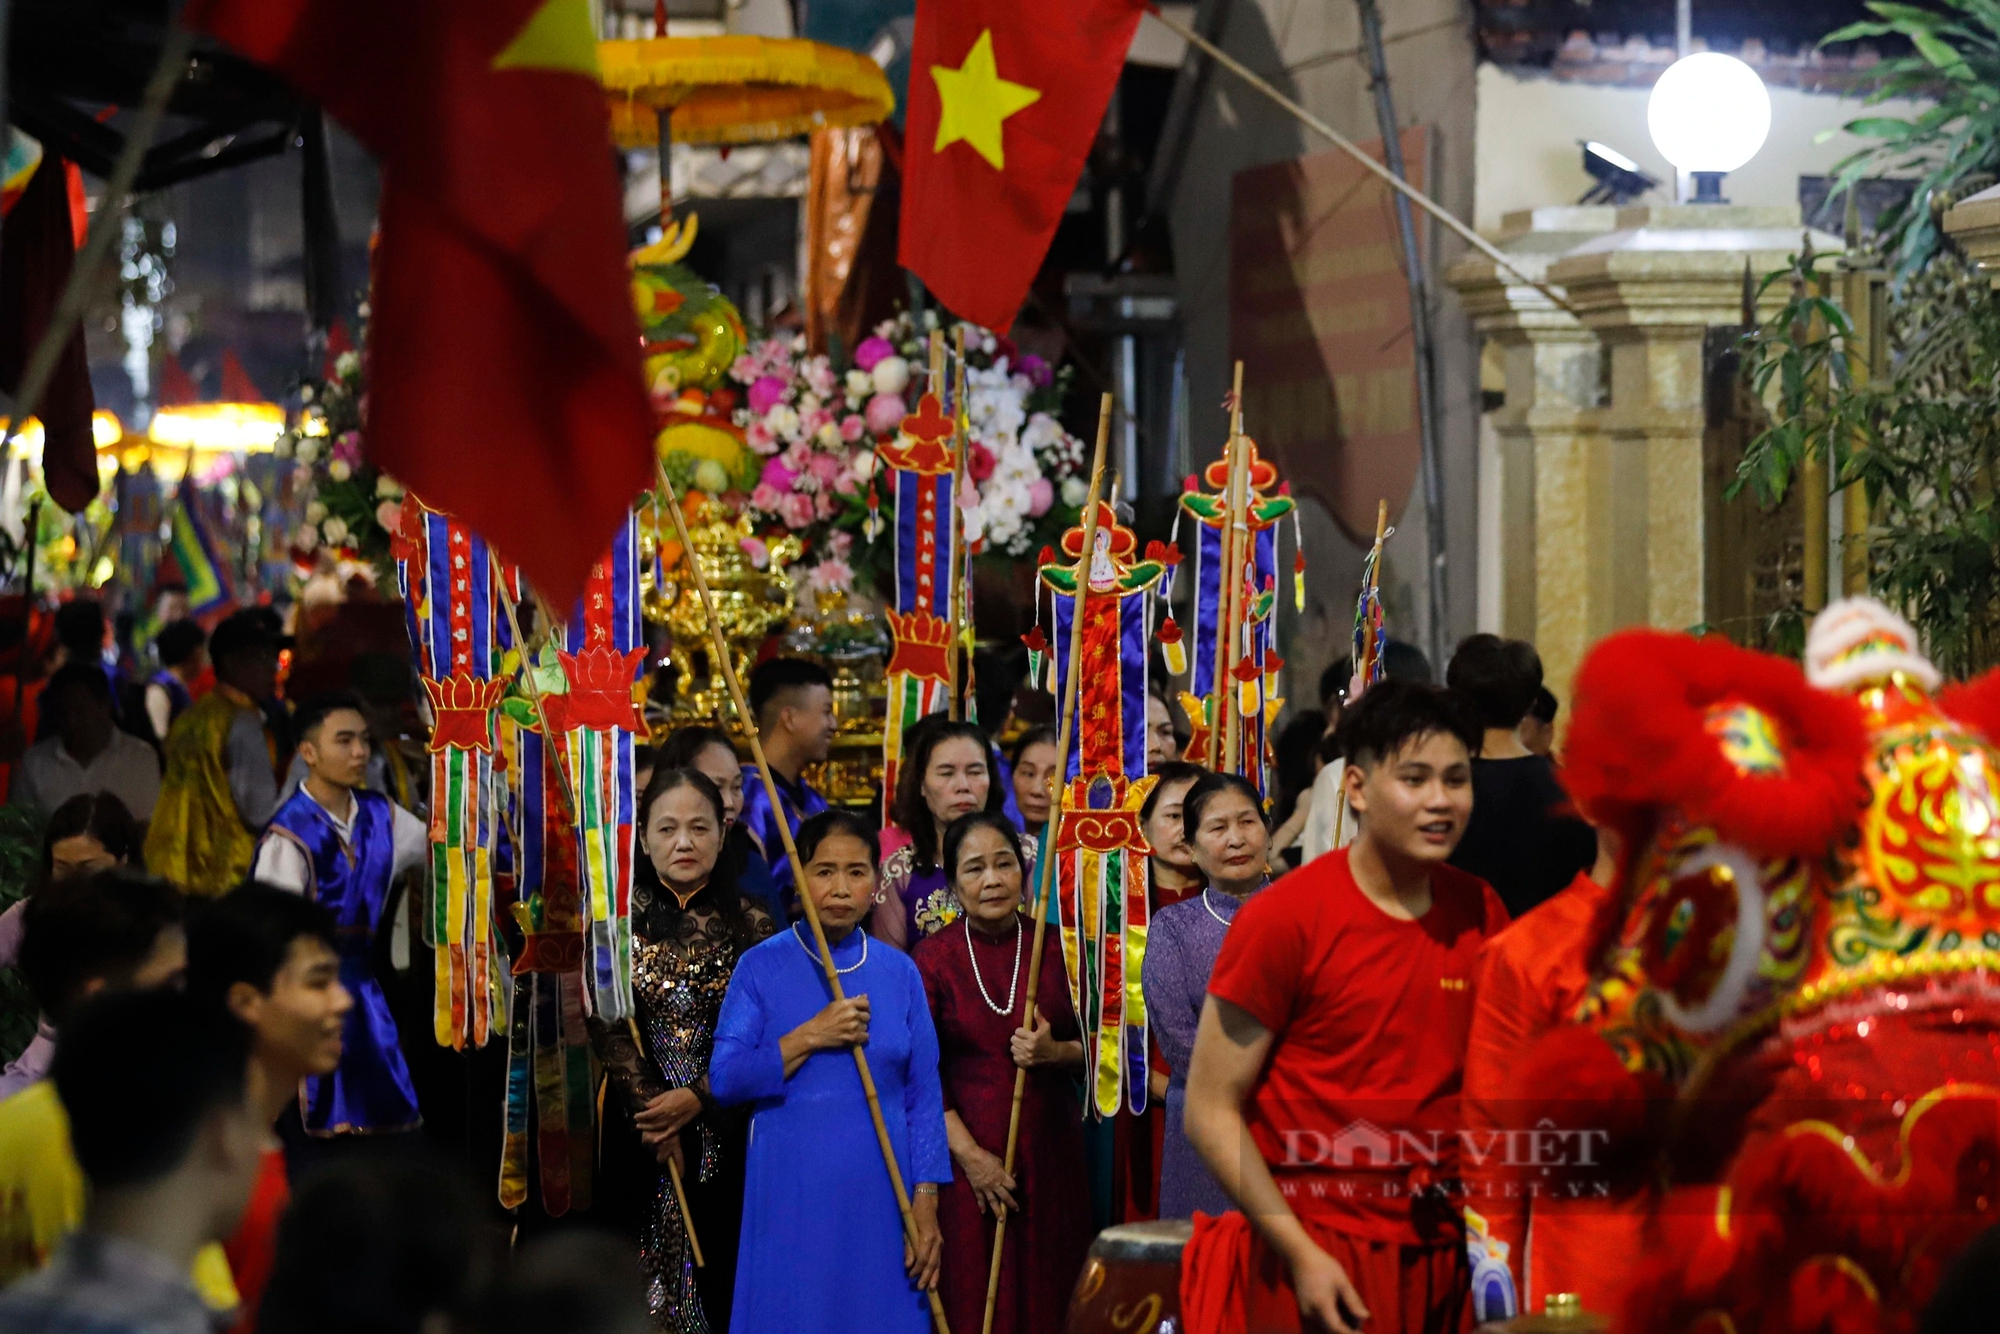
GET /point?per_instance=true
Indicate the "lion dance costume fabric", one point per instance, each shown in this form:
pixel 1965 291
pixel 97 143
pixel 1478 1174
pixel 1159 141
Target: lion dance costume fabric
pixel 1787 1059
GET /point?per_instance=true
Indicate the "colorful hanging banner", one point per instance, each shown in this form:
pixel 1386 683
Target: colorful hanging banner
pixel 1240 659
pixel 548 1064
pixel 1101 850
pixel 596 717
pixel 920 464
pixel 445 574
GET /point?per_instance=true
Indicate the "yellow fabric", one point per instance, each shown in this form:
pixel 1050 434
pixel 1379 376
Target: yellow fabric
pixel 196 838
pixel 736 90
pixel 41 1195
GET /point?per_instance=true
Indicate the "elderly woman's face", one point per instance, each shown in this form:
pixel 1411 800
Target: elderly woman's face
pixel 988 878
pixel 956 780
pixel 683 838
pixel 1164 830
pixel 1231 844
pixel 841 880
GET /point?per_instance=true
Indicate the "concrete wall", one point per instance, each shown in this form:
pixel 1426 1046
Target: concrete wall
pixel 1528 157
pixel 1311 52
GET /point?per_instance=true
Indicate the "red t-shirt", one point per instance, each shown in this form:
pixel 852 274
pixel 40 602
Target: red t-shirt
pixel 254 1248
pixel 1357 1107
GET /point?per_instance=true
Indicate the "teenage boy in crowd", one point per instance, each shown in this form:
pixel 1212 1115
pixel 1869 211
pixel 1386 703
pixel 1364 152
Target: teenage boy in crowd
pixel 268 959
pixel 792 700
pixel 1333 1040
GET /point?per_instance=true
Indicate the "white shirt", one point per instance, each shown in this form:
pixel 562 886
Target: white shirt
pixel 1329 807
pixel 282 862
pixel 127 768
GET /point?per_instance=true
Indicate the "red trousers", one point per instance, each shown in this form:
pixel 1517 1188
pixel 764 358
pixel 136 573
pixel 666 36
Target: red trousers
pixel 1232 1282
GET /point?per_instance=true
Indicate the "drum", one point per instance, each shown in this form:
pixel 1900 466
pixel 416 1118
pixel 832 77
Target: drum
pixel 1132 1282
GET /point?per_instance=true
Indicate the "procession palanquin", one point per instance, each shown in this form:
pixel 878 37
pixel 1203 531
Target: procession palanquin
pixel 1791 1047
pixel 1101 851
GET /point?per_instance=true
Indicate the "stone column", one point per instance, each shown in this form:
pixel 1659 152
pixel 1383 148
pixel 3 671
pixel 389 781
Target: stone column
pixel 1607 402
pixel 1551 474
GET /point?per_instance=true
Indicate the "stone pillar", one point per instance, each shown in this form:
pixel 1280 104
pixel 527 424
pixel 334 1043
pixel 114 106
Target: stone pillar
pixel 1603 427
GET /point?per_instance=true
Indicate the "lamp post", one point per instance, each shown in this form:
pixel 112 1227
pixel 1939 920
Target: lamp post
pixel 1708 115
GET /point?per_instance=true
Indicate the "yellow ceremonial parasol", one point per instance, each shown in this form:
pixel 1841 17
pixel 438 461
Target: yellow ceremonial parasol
pixel 736 90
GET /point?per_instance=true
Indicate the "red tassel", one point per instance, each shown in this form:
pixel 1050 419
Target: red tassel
pixel 1034 640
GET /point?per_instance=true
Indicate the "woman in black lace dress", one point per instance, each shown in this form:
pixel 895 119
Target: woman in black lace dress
pixel 689 925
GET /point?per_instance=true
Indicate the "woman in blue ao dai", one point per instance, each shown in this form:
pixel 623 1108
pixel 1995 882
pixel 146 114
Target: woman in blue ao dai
pixel 823 1249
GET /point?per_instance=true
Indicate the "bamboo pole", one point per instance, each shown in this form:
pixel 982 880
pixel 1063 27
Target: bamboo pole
pixel 1235 545
pixel 673 1167
pixel 1353 150
pixel 721 648
pixel 1045 868
pixel 959 448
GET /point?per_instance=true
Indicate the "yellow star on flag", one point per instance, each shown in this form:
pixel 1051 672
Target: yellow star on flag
pixel 973 102
pixel 559 36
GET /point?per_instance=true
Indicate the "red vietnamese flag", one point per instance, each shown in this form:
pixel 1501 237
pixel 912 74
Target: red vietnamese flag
pixel 504 373
pixel 1006 97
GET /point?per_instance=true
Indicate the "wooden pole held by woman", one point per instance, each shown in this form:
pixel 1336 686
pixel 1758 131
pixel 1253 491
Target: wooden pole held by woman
pixel 721 655
pixel 1235 547
pixel 1045 867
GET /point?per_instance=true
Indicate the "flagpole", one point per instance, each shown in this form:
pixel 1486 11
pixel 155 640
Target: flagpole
pixel 721 655
pixel 1045 869
pixel 961 630
pixel 1235 539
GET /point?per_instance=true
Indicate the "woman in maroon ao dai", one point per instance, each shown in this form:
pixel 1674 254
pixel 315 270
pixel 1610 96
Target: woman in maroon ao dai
pixel 975 972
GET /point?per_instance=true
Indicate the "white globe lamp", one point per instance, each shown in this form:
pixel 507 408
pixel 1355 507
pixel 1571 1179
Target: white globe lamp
pixel 1708 115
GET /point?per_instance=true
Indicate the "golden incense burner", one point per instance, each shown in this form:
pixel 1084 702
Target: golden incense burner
pixel 750 602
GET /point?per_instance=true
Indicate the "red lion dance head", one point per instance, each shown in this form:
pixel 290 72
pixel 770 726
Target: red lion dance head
pixel 1793 1031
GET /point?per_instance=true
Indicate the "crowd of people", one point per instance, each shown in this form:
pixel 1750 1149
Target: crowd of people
pixel 206 1125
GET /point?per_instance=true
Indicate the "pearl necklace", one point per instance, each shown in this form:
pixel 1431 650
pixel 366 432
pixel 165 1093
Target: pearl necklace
pixel 1013 986
pixel 1211 907
pixel 816 959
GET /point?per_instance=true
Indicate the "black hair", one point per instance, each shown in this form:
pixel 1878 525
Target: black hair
pixel 1172 771
pixel 1333 682
pixel 101 925
pixel 955 834
pixel 382 1244
pixel 1401 661
pixel 684 745
pixel 1208 789
pixel 816 829
pixel 1394 713
pixel 246 936
pixel 575 1282
pixel 661 915
pixel 79 627
pixel 1544 708
pixel 999 671
pixel 1327 749
pixel 1042 735
pixel 1294 749
pixel 910 810
pixel 1499 677
pixel 158 1051
pixel 319 708
pixel 102 816
pixel 88 677
pixel 781 676
pixel 178 641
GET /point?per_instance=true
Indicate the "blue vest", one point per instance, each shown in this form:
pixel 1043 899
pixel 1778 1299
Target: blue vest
pixel 800 803
pixel 371 1090
pixel 178 697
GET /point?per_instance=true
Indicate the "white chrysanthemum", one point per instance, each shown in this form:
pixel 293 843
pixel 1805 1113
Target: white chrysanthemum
pixel 782 421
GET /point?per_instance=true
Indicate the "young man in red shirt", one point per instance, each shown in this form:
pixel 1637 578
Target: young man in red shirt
pixel 1323 1091
pixel 268 957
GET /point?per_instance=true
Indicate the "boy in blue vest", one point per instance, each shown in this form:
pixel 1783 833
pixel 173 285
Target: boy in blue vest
pixel 342 845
